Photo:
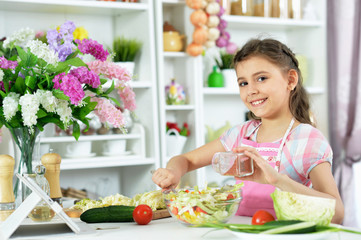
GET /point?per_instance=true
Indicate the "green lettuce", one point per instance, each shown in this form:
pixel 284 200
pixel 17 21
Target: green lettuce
pixel 293 206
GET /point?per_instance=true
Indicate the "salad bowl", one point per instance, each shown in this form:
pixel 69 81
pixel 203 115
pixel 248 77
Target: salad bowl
pixel 210 205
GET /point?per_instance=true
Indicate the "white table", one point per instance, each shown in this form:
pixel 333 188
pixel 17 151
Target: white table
pixel 167 228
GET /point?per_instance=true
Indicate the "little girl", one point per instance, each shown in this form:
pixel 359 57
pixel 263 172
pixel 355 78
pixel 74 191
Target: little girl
pixel 288 152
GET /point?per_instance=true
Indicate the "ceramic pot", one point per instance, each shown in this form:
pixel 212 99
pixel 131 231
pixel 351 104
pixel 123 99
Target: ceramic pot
pixel 172 41
pixel 230 78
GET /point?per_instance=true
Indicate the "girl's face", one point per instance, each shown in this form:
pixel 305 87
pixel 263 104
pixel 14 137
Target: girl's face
pixel 264 88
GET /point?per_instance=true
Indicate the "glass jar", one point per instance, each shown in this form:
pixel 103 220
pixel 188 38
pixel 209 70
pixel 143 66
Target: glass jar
pixel 242 7
pixel 295 9
pixel 279 8
pixel 262 8
pixel 42 212
pixel 232 164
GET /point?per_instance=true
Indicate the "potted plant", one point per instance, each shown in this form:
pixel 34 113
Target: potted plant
pixel 225 64
pixel 176 138
pixel 126 50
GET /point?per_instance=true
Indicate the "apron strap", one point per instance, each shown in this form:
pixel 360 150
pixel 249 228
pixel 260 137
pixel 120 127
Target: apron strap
pixel 283 142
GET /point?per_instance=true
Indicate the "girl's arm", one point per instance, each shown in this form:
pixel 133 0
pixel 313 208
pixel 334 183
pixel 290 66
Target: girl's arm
pixel 177 166
pixel 321 177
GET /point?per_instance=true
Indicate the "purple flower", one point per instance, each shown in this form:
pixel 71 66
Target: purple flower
pixel 92 47
pixel 7 64
pixel 53 38
pixel 86 76
pixel 66 31
pixel 65 50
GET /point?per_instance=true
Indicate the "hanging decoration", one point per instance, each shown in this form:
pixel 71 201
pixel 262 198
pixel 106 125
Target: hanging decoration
pixel 209 27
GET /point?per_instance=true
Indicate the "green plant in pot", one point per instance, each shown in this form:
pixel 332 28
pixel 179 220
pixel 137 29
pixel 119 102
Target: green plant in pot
pixel 225 64
pixel 126 50
pixel 225 60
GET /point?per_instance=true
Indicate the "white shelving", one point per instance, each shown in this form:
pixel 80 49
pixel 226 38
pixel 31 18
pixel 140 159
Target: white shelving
pixel 103 21
pixel 304 37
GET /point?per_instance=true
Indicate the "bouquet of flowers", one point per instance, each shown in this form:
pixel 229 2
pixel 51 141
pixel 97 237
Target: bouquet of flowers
pixel 43 83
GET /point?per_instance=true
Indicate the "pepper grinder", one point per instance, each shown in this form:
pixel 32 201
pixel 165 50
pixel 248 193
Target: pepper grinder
pixel 51 162
pixel 7 199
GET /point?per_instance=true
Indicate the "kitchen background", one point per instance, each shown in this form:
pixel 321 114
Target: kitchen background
pixel 170 85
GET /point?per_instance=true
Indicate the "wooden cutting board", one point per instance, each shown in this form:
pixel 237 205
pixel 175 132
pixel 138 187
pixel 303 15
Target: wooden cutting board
pixel 158 214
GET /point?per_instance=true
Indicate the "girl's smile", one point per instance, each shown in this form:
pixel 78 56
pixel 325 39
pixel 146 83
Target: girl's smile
pixel 264 87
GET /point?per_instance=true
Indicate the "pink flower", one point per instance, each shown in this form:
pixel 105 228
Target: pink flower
pixel 110 70
pixel 7 64
pixel 86 76
pixel 127 95
pixel 71 87
pixel 92 47
pixel 107 112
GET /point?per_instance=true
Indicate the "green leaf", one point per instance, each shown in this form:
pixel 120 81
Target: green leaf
pixel 40 126
pixel 30 81
pixel 60 94
pixel 22 54
pixel 103 81
pixel 20 85
pixel 41 63
pixel 3 95
pixel 115 101
pixel 76 130
pixel 110 89
pixel 76 62
pixel 31 60
pixel 41 113
pixel 81 113
pixel 72 55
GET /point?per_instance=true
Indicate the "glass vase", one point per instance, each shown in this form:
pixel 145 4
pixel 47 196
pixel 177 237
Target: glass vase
pixel 24 140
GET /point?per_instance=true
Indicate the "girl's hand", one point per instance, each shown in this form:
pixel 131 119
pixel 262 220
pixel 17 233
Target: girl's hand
pixel 166 178
pixel 263 172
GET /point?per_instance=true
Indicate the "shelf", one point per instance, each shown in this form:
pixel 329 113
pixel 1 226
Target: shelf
pixel 219 91
pixel 245 22
pixel 173 2
pixel 101 162
pixel 175 54
pixel 71 6
pixel 63 139
pixel 179 107
pixel 141 84
pixel 228 91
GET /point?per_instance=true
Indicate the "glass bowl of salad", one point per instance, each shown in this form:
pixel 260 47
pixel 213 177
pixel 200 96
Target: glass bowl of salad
pixel 210 205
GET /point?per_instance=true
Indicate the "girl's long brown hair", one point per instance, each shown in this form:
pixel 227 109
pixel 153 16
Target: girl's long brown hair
pixel 282 56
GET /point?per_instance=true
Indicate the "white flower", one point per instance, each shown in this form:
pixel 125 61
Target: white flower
pixel 1 75
pixel 20 38
pixel 10 104
pixel 64 111
pixel 47 100
pixel 42 50
pixel 29 107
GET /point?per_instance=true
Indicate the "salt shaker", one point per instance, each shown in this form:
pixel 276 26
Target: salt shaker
pixel 232 164
pixel 51 162
pixel 7 199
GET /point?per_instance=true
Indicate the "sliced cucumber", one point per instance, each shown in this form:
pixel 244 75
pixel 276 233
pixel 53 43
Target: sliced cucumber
pixel 302 227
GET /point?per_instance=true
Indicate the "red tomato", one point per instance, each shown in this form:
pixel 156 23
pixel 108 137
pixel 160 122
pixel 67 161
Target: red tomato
pixel 261 217
pixel 142 214
pixel 230 196
pixel 175 211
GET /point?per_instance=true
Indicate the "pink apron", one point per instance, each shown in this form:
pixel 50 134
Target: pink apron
pixel 256 196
